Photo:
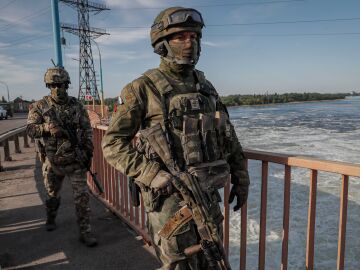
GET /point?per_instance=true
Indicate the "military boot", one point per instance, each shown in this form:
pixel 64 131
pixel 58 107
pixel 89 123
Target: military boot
pixel 52 206
pixel 88 239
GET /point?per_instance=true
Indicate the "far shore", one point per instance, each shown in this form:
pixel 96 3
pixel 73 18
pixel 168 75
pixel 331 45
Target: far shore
pixel 281 103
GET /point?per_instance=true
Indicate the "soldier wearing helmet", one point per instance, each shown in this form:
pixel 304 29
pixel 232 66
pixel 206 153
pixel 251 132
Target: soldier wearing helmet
pixel 178 98
pixel 49 122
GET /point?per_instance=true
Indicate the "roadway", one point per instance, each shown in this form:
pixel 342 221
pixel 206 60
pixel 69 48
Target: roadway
pixel 25 244
pixel 18 120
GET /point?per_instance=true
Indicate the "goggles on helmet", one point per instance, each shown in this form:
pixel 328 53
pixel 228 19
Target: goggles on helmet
pixel 179 17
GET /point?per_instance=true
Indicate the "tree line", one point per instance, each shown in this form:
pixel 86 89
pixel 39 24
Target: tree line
pixel 239 100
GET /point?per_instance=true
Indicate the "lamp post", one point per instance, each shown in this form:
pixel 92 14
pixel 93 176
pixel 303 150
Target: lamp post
pixel 101 80
pixel 7 88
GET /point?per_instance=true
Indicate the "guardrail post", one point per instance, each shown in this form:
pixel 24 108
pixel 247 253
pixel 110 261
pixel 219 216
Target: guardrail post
pixel 26 141
pixel 7 150
pixel 17 145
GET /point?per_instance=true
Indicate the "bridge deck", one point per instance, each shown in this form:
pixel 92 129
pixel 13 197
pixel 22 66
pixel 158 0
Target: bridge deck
pixel 24 243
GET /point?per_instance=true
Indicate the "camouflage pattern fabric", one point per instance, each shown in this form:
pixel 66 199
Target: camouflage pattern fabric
pixel 141 108
pixel 53 179
pixel 60 158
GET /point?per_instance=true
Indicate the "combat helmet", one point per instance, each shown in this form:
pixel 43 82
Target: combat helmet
pixel 174 20
pixel 56 75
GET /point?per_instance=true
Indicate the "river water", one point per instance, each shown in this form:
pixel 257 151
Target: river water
pixel 327 130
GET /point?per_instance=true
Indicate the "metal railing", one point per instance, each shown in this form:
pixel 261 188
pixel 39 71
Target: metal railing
pixel 13 135
pixel 116 198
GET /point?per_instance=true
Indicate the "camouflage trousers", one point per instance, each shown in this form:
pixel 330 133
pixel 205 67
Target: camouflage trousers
pixel 53 179
pixel 170 252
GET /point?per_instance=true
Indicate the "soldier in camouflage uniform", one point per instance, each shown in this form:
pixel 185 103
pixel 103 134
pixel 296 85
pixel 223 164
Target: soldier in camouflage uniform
pixel 48 121
pixel 172 95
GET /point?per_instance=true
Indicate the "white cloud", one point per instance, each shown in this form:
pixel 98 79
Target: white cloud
pixel 132 3
pixel 217 44
pixel 15 73
pixel 21 79
pixel 211 44
pixel 125 36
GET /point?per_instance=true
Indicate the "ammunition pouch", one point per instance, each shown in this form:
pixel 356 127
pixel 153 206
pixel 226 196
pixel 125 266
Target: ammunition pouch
pixel 209 137
pixel 190 141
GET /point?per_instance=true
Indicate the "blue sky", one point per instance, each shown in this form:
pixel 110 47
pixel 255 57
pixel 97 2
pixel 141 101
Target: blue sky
pixel 272 50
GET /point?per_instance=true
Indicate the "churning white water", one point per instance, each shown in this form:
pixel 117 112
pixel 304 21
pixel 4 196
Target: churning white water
pixel 327 130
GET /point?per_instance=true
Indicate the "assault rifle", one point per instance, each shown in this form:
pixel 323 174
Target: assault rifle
pixel 72 136
pixel 195 208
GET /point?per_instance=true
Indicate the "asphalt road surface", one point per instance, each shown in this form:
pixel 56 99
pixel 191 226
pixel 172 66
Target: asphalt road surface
pixel 18 120
pixel 25 244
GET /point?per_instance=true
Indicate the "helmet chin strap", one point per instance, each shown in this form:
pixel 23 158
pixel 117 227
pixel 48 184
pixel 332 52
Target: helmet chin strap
pixel 170 56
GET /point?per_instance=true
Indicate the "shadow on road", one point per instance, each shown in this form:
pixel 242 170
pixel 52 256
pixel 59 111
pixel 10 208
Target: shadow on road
pixel 25 244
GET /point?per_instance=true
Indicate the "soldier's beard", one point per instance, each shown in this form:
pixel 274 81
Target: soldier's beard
pixel 184 55
pixel 59 95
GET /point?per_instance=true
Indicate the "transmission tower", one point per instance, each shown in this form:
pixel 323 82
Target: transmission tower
pixel 87 78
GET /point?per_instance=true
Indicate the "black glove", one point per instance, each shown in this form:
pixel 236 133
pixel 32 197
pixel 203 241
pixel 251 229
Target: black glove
pixel 88 163
pixel 241 193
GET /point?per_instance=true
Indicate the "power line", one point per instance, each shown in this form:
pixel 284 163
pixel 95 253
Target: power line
pixel 221 5
pixel 19 39
pixel 25 41
pixel 31 52
pixel 255 23
pixel 286 35
pixel 273 35
pixel 8 4
pixel 287 22
pixel 26 18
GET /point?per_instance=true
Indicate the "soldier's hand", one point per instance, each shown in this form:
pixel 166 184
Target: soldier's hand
pixel 241 194
pixel 162 183
pixel 88 162
pixel 56 131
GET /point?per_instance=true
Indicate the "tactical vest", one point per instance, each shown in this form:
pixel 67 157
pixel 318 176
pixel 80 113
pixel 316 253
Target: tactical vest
pixel 60 150
pixel 198 133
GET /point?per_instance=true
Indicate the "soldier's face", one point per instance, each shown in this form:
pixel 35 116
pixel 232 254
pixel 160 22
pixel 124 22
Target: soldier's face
pixel 59 91
pixel 184 46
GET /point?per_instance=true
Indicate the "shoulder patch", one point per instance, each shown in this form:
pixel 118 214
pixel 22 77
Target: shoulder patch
pixel 128 97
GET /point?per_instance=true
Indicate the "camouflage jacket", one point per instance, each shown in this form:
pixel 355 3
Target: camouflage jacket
pixel 142 107
pixel 70 116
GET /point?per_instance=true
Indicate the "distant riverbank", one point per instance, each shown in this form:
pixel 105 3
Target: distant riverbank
pixel 241 100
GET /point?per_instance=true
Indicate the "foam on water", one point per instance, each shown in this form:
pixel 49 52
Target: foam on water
pixel 326 130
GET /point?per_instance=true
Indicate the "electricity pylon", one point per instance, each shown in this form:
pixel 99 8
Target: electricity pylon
pixel 87 79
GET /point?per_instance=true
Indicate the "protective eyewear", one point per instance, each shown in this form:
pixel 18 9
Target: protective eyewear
pixel 56 85
pixel 183 15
